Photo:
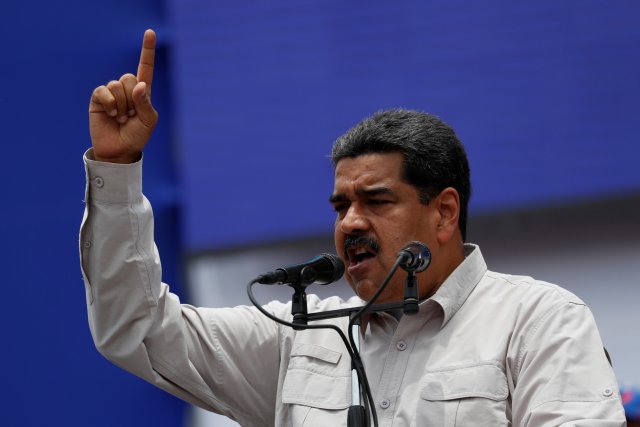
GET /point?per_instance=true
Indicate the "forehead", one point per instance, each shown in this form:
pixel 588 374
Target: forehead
pixel 368 169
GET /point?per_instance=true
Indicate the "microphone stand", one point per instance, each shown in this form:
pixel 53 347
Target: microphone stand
pixel 414 258
pixel 411 301
pixel 357 416
pixel 299 307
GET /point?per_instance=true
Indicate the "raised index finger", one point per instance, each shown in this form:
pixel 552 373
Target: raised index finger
pixel 147 57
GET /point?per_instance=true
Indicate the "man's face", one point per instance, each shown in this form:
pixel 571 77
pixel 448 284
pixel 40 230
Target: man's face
pixel 378 213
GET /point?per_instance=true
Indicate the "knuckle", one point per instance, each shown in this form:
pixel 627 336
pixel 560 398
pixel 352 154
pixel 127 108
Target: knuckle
pixel 98 91
pixel 128 78
pixel 102 95
pixel 114 85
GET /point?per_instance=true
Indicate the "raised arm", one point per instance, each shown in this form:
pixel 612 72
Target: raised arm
pixel 214 358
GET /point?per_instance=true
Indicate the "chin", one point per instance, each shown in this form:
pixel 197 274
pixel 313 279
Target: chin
pixel 365 290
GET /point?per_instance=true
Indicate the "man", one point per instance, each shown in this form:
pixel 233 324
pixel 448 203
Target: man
pixel 485 348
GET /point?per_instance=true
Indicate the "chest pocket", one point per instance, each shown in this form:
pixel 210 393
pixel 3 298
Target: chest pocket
pixel 317 386
pixel 474 394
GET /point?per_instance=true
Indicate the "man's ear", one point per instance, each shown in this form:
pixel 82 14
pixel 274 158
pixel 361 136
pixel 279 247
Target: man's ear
pixel 448 205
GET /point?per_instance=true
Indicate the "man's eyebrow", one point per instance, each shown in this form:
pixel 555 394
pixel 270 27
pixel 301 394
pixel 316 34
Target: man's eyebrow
pixel 375 191
pixel 368 192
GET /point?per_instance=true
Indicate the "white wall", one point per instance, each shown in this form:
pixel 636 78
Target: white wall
pixel 592 249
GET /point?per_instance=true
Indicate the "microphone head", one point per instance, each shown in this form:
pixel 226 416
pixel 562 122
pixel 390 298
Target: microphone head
pixel 415 257
pixel 322 269
pixel 329 268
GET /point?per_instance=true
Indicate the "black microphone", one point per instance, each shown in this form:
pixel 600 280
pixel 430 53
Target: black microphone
pixel 322 269
pixel 415 257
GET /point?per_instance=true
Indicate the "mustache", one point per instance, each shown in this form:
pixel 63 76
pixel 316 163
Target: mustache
pixel 368 242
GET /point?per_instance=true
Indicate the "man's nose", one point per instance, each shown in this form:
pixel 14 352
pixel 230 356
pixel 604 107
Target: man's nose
pixel 354 221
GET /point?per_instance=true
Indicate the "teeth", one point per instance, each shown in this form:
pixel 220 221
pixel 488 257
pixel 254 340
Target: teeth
pixel 360 251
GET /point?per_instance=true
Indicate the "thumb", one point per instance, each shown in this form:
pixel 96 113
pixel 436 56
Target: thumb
pixel 142 102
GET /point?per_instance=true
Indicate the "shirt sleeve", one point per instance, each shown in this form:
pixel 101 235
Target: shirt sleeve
pixel 564 377
pixel 214 358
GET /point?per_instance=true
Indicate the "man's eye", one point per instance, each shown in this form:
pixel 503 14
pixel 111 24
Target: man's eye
pixel 379 202
pixel 340 208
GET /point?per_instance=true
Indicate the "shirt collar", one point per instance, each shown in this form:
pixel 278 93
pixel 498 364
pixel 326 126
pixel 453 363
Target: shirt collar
pixel 455 290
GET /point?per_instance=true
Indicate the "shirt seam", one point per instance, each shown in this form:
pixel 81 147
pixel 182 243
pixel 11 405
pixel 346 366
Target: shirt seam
pixel 144 270
pixel 552 310
pixel 316 372
pixel 557 291
pixel 563 302
pixel 102 201
pixel 533 331
pixel 576 400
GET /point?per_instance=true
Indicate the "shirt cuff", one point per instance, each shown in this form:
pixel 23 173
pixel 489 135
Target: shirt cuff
pixel 112 182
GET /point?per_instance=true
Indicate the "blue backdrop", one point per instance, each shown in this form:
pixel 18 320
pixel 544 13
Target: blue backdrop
pixel 543 94
pixel 53 55
pixel 250 98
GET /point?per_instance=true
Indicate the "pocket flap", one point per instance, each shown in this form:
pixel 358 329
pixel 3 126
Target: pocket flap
pixel 480 379
pixel 317 352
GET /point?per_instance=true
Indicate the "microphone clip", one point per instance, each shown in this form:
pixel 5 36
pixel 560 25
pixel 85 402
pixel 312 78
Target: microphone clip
pixel 414 258
pixel 411 301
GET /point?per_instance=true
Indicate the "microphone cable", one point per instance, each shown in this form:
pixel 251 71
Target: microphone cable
pixel 350 344
pixel 356 353
pixel 353 352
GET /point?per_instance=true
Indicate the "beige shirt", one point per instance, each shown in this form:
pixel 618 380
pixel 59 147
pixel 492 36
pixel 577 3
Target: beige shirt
pixel 487 349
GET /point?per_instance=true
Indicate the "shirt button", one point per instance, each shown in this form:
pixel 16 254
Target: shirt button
pixel 607 392
pixel 384 403
pixel 99 182
pixel 401 345
pixel 87 244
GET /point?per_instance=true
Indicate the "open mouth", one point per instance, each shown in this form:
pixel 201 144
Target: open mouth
pixel 359 249
pixel 359 254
